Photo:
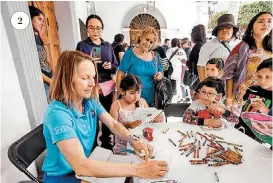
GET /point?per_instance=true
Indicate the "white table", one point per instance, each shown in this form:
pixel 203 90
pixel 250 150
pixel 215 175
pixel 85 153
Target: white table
pixel 256 167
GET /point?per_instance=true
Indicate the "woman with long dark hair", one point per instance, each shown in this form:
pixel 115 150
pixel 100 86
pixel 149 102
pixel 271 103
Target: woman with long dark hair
pixel 38 20
pixel 240 67
pixel 198 37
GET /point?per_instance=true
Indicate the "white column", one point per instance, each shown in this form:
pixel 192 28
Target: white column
pixel 233 8
pixel 202 13
pixel 26 60
pixel 126 33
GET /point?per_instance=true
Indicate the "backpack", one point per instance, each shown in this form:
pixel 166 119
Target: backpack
pixel 163 93
pixel 163 90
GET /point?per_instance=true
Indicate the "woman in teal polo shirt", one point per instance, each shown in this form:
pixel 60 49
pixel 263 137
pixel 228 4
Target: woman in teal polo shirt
pixel 70 127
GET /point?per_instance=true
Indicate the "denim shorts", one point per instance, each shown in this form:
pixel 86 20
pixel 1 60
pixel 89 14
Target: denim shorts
pixel 70 178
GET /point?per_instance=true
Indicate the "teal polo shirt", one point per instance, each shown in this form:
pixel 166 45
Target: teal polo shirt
pixel 62 122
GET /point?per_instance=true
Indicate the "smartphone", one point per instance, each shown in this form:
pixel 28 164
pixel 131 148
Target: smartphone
pixel 96 52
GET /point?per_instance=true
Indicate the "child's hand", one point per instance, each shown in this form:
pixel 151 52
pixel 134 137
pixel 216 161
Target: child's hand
pixel 216 110
pixel 215 123
pixel 158 119
pixel 260 106
pixel 133 124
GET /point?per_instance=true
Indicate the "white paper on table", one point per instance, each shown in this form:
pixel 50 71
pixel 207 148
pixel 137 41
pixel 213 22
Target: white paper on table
pixel 146 115
pixel 102 154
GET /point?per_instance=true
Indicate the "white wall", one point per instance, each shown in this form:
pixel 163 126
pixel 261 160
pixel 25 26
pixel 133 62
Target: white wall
pixel 68 24
pixel 114 15
pixel 14 118
pixel 80 13
pixel 180 16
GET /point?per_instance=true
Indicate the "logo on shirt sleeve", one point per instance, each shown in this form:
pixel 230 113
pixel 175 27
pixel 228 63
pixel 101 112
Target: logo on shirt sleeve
pixel 60 129
pixel 92 112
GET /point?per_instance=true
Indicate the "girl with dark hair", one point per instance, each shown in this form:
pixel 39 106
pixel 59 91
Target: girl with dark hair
pixel 102 52
pixel 124 108
pixel 177 56
pixel 119 47
pixel 240 67
pixel 38 20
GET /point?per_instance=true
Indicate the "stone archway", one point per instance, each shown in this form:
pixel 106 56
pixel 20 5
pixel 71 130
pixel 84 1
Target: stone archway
pixel 138 10
pixel 140 22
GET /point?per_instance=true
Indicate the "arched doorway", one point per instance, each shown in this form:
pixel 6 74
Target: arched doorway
pixel 140 22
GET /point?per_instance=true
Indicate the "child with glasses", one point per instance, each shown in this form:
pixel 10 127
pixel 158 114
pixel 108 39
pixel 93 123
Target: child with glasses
pixel 214 68
pixel 207 110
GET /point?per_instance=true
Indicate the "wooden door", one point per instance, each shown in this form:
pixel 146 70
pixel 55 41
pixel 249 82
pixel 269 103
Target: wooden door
pixel 134 36
pixel 49 34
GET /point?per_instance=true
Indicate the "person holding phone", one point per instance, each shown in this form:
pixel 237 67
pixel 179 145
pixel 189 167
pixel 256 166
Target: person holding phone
pixel 103 54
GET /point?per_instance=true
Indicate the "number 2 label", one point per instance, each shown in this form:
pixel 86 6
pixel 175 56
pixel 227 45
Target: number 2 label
pixel 20 20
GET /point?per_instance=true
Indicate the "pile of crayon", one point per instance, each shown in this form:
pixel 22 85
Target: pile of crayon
pixel 218 151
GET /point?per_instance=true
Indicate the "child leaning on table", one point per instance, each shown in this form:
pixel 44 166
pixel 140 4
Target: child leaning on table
pixel 207 110
pixel 258 98
pixel 124 108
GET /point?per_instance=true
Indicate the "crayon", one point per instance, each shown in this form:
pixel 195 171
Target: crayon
pixel 205 141
pixel 195 153
pixel 172 142
pixel 197 160
pixel 195 140
pixel 187 144
pixel 216 176
pixel 217 137
pixel 165 131
pixel 181 142
pixel 232 144
pixel 190 152
pixel 188 135
pixel 241 150
pixel 183 134
pixel 198 163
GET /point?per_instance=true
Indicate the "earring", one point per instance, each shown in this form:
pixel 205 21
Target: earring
pixel 251 33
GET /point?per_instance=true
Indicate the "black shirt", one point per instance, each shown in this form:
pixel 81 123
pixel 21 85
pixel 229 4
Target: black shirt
pixel 160 51
pixel 117 49
pixel 265 95
pixel 187 51
pixel 193 57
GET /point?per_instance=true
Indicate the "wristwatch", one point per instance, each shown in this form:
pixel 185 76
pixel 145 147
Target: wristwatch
pixel 131 138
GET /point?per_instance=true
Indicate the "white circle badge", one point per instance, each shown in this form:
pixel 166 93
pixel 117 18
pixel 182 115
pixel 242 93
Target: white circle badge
pixel 20 20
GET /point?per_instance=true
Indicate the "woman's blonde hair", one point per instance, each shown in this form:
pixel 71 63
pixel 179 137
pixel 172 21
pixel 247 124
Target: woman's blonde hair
pixel 150 30
pixel 61 87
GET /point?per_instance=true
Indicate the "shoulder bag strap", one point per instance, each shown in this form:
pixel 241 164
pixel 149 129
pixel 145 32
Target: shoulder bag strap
pixel 224 44
pixel 173 54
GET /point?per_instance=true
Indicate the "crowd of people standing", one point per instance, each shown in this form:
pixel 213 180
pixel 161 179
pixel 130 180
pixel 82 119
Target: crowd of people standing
pixel 107 82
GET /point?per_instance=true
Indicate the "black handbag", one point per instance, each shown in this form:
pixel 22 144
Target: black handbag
pixel 163 90
pixel 189 77
pixel 173 82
